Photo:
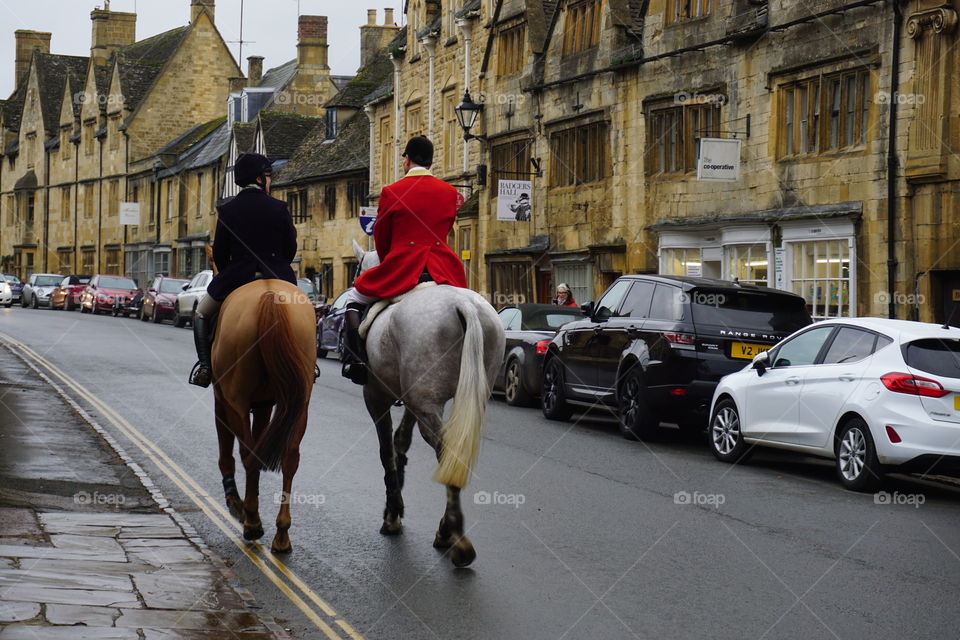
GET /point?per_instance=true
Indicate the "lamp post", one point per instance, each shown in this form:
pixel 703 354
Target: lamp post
pixel 467 113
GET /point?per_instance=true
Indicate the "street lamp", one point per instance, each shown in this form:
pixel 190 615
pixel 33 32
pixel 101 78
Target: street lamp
pixel 467 113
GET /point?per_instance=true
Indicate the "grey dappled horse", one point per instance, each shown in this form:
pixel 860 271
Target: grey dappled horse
pixel 436 344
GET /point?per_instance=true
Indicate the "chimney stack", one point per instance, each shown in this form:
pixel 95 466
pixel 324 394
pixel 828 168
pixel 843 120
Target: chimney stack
pixel 312 42
pixel 374 37
pixel 111 30
pixel 237 84
pixel 254 70
pixel 199 6
pixel 388 17
pixel 27 41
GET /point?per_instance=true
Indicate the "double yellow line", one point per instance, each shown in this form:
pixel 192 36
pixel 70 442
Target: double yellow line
pixel 299 593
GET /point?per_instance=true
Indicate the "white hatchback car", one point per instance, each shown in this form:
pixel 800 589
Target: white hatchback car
pixel 871 393
pixel 187 300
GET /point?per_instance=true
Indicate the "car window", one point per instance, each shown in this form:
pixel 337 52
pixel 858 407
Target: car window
pixel 802 349
pixel 117 282
pixel 637 302
pixel 168 285
pixel 510 319
pixel 850 345
pixel 340 302
pixel 757 310
pixel 939 356
pixel 204 280
pixel 549 320
pixel 610 301
pixel 667 303
pixel 47 281
pixel 66 281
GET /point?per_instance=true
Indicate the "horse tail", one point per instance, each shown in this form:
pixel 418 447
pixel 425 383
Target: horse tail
pixel 288 375
pixel 461 433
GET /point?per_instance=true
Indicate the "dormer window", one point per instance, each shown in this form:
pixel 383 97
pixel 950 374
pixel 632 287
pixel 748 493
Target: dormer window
pixel 331 124
pixel 582 26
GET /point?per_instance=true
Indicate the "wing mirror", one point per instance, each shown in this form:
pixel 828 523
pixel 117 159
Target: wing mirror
pixel 186 285
pixel 587 308
pixel 761 362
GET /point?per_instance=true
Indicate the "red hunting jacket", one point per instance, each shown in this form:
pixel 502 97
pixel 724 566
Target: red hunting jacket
pixel 414 216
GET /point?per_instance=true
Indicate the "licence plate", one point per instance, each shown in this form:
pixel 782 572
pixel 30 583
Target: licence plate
pixel 956 402
pixel 747 350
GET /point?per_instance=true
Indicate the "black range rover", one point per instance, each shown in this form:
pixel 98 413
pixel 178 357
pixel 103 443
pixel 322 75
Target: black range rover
pixel 655 347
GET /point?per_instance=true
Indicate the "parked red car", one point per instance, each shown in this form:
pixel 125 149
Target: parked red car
pixel 160 297
pixel 100 294
pixel 67 295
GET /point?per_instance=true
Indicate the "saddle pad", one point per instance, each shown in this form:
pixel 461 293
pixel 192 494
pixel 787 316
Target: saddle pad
pixel 380 305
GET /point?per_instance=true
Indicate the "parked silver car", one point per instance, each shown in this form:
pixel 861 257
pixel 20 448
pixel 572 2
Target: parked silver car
pixel 36 293
pixel 188 299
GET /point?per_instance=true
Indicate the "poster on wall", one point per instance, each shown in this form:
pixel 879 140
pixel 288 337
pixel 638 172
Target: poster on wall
pixel 514 200
pixel 719 160
pixel 129 213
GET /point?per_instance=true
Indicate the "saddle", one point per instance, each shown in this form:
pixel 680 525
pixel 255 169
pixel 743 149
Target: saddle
pixel 377 307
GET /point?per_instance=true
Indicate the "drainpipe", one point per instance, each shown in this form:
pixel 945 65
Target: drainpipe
pixel 429 43
pixel 466 30
pixel 46 211
pixel 892 164
pixel 76 204
pixel 396 118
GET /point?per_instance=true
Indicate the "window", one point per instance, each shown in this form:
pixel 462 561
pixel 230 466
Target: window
pixel 414 120
pixel 330 201
pixel 451 131
pixel 66 147
pixel 511 283
pixel 673 136
pixel 576 275
pixel 350 271
pixel 803 349
pixel 637 302
pixel 820 272
pixel 169 204
pixel 161 263
pixel 297 201
pixel 747 263
pixel 357 196
pixel 510 319
pixel 937 356
pixel 31 202
pixel 667 303
pixel 579 155
pixel 679 10
pixel 331 122
pixel 843 97
pixel 113 261
pixel 510 49
pixel 153 197
pixel 201 196
pixel 850 345
pixel 87 257
pixel 114 133
pixel 582 27
pixel 65 203
pixel 610 301
pixel 88 139
pixel 325 278
pixel 681 262
pixel 113 198
pixel 88 201
pixel 509 161
pixel 65 257
pixel 386 151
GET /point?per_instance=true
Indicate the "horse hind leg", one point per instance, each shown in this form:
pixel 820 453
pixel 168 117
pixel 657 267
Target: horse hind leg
pixel 450 534
pixel 252 525
pixel 401 442
pixel 289 465
pixel 378 406
pixel 225 439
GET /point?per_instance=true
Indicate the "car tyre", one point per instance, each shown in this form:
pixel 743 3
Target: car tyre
pixel 857 464
pixel 178 320
pixel 553 400
pixel 637 421
pixel 515 393
pixel 33 303
pixel 341 349
pixel 155 315
pixel 726 436
pixel 143 314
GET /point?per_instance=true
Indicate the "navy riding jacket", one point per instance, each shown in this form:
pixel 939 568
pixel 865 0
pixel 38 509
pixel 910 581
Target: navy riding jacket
pixel 255 233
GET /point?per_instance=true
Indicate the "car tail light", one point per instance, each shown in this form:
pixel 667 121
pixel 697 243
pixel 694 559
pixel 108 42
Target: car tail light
pixel 913 385
pixel 542 346
pixel 893 435
pixel 678 391
pixel 679 338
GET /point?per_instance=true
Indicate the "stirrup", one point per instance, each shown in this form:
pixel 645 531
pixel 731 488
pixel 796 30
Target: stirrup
pixel 200 375
pixel 356 372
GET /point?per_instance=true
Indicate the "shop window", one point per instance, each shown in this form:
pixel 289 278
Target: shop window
pixel 681 262
pixel 825 113
pixel 820 271
pixel 747 263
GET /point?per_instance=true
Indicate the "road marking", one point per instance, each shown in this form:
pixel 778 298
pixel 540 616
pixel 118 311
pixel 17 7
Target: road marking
pixel 214 511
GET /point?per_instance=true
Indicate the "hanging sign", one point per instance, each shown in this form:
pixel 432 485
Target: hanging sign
pixel 514 200
pixel 368 215
pixel 129 213
pixel 719 160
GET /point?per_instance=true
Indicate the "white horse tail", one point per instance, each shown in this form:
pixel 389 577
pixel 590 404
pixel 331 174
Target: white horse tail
pixel 461 433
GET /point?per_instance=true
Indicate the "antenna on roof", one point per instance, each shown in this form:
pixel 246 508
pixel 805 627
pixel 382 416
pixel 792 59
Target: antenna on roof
pixel 241 40
pixel 953 312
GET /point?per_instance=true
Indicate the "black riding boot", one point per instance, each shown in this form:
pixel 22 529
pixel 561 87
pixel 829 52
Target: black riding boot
pixel 201 374
pixel 354 355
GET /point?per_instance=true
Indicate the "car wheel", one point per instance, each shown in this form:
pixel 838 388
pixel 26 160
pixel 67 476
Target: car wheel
pixel 513 390
pixel 193 314
pixel 23 301
pixel 143 314
pixel 637 421
pixel 154 315
pixel 178 320
pixel 553 400
pixel 33 303
pixel 857 465
pixel 726 438
pixel 341 350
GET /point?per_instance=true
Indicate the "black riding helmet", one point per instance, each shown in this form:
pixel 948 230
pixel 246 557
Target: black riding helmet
pixel 249 167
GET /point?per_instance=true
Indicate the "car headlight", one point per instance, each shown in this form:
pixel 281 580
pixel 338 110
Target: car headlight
pixel 5 288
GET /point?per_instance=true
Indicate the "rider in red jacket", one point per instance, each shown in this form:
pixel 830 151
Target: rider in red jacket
pixel 414 217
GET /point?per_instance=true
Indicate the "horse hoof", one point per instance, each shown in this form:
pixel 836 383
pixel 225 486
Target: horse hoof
pixel 462 555
pixel 252 532
pixel 442 541
pixel 391 528
pixel 235 505
pixel 281 550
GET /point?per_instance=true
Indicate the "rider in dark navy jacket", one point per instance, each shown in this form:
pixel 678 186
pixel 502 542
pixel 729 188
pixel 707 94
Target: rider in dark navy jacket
pixel 255 238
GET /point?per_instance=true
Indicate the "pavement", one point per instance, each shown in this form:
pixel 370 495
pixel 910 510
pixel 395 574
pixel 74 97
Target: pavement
pixel 579 533
pixel 89 548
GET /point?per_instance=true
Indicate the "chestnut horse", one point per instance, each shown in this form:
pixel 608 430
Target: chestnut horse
pixel 263 359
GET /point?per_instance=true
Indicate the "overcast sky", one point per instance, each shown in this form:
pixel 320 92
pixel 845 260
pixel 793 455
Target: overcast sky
pixel 269 26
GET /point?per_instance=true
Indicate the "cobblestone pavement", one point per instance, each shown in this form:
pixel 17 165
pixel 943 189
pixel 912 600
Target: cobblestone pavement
pixel 88 547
